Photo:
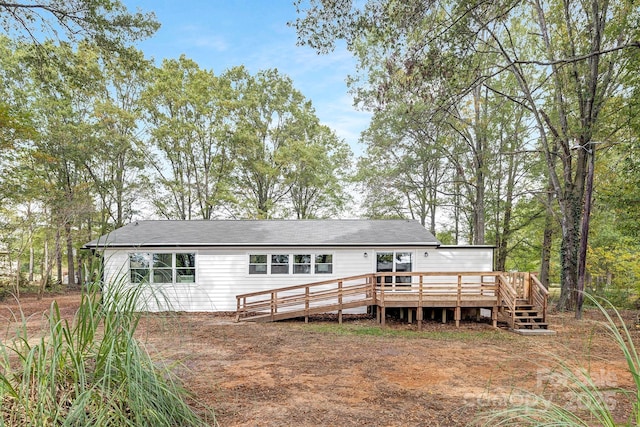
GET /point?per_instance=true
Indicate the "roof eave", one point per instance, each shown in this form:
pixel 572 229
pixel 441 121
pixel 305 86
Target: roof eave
pixel 260 245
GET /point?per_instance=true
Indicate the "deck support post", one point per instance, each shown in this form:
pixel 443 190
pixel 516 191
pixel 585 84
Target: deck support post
pixel 494 316
pixel 378 315
pixel 306 304
pixel 340 302
pixel 410 315
pixel 274 308
pixel 419 311
pixel 383 315
pixel 457 316
pixel 444 315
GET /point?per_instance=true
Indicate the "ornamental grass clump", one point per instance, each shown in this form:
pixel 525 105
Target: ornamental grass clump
pixel 90 371
pixel 586 402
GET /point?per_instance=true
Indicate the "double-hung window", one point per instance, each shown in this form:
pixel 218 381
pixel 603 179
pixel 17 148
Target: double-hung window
pixel 279 264
pixel 324 264
pixel 185 267
pixel 258 264
pixel 302 264
pixel 162 267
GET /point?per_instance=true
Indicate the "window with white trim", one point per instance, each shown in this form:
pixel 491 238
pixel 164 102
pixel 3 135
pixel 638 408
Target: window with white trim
pixel 258 264
pixel 162 267
pixel 291 263
pixel 324 264
pixel 279 264
pixel 396 262
pixel 302 264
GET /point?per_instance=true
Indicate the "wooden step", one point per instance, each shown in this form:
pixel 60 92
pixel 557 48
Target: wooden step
pixel 530 325
pixel 525 312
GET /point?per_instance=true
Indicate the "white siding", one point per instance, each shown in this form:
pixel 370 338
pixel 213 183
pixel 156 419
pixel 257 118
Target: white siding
pixel 221 274
pixel 455 259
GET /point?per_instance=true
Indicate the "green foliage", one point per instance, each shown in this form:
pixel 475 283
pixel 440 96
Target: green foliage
pixel 513 81
pixel 90 370
pixel 594 403
pixel 188 110
pixel 285 160
pixel 106 23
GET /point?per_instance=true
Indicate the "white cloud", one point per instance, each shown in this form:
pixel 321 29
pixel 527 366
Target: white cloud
pixel 198 37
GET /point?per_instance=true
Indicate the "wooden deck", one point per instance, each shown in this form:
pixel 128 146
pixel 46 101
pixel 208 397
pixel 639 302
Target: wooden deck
pixel 518 297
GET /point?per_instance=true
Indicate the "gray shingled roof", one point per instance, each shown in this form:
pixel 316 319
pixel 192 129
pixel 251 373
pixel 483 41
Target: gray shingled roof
pixel 268 233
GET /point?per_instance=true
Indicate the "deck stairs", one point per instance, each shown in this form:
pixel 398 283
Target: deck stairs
pixel 526 316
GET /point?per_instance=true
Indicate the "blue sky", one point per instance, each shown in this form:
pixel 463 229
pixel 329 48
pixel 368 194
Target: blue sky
pixel 220 34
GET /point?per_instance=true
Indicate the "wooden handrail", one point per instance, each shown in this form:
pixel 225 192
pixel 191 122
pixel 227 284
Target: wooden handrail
pixel 290 288
pixel 540 296
pixel 347 292
pixel 509 297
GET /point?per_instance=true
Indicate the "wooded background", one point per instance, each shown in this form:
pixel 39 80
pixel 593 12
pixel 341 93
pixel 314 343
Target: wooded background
pixel 508 123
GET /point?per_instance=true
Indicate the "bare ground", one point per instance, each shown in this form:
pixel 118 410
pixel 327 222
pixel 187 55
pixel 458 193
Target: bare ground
pixel 291 373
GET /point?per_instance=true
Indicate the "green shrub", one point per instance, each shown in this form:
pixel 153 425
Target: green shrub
pixel 90 371
pixel 586 403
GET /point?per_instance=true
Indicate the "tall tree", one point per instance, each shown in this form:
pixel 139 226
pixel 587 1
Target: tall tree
pixel 63 97
pixel 405 171
pixel 317 172
pixel 568 60
pixel 117 164
pixel 271 117
pixel 190 126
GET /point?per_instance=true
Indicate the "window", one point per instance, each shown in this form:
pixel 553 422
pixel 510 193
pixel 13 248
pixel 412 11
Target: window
pixel 384 264
pixel 324 264
pixel 186 268
pixel 257 264
pixel 139 267
pixel 394 262
pixel 403 263
pixel 302 264
pixel 291 263
pixel 279 264
pixel 162 268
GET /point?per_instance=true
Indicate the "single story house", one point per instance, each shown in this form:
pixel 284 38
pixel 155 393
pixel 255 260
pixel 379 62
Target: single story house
pixel 203 265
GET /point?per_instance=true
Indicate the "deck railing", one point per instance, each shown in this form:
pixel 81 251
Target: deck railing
pixel 328 295
pixel 508 296
pixel 539 296
pixel 422 289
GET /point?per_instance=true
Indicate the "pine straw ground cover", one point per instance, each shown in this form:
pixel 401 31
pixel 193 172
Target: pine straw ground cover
pixel 291 373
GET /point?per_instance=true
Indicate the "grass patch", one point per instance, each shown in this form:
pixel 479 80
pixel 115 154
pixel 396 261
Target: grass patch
pixel 90 370
pixel 389 332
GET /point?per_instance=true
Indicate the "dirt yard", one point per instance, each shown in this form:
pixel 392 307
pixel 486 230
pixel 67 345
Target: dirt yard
pixel 320 374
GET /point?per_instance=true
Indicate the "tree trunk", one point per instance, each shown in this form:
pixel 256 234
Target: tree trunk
pixel 70 263
pixel 18 266
pixel 31 260
pixel 569 253
pixel 46 269
pixel 547 241
pixel 584 234
pixel 58 256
